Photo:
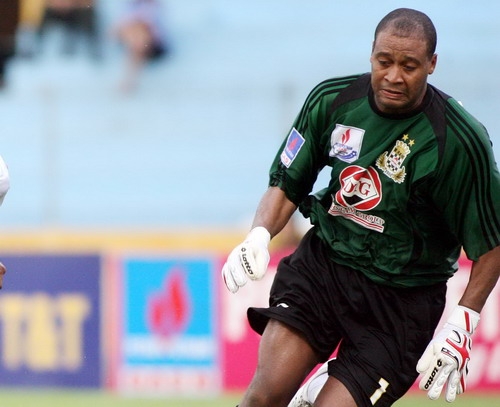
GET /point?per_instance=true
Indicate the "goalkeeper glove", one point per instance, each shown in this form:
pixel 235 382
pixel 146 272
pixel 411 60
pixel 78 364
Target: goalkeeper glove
pixel 247 260
pixel 446 357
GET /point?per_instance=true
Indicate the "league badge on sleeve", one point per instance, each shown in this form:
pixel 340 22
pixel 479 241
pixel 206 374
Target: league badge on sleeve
pixel 293 145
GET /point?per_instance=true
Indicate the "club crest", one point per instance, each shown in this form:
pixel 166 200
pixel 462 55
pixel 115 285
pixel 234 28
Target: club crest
pixel 391 163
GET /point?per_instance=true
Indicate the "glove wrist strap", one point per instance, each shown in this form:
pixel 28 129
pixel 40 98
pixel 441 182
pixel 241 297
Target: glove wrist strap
pixel 464 318
pixel 259 234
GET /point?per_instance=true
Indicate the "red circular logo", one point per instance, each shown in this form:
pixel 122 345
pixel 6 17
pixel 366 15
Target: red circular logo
pixel 361 188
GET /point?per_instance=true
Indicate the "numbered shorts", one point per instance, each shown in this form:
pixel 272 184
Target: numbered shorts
pixel 380 331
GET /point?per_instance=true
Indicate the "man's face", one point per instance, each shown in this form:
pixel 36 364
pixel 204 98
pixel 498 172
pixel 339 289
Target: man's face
pixel 400 66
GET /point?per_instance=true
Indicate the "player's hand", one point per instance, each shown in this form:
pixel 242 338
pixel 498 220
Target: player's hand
pixel 4 180
pixel 3 270
pixel 247 260
pixel 446 358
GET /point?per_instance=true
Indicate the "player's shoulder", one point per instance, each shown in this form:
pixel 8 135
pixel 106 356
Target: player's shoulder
pixel 339 83
pixel 457 114
pixel 329 89
pixel 465 134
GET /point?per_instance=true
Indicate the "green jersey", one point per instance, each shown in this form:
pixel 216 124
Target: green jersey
pixel 406 192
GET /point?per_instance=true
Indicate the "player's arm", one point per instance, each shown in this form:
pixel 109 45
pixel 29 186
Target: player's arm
pixel 274 211
pixel 445 360
pixel 251 258
pixel 484 276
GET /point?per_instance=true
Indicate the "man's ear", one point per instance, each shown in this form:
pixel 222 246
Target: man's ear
pixel 433 64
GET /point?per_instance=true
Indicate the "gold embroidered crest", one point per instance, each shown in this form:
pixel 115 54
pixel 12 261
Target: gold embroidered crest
pixel 391 163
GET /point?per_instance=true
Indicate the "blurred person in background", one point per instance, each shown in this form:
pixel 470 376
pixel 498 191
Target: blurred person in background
pixel 140 29
pixel 9 21
pixel 31 14
pixel 78 19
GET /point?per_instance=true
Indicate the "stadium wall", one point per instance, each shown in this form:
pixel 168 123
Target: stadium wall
pixel 147 313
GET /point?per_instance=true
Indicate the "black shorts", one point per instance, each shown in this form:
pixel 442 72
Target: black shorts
pixel 382 331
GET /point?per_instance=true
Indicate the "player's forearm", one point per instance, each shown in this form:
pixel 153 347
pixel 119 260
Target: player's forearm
pixel 483 278
pixel 274 211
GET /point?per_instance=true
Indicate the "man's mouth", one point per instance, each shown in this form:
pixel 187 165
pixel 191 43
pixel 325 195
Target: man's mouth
pixel 391 93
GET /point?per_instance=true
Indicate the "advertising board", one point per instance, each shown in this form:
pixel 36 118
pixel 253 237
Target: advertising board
pixel 50 321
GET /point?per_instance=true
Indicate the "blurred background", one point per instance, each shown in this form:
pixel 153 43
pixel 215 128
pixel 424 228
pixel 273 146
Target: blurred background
pixel 142 170
pixel 191 144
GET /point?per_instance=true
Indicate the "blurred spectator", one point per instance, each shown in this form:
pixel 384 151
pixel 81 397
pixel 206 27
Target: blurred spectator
pixel 78 18
pixel 31 13
pixel 9 20
pixel 141 31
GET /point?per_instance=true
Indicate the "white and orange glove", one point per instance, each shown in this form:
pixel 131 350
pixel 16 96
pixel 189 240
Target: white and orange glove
pixel 446 357
pixel 248 260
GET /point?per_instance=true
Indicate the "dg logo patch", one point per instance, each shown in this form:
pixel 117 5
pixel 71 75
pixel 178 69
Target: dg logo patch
pixel 361 188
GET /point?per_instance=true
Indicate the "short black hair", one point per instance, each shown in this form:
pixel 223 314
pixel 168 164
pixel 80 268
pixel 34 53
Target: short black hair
pixel 406 22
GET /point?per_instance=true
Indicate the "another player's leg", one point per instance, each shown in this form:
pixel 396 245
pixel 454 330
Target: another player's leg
pixel 309 391
pixel 334 393
pixel 285 359
pixel 322 390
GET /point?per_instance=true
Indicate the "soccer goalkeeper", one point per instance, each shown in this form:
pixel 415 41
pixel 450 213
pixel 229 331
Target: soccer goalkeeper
pixel 413 182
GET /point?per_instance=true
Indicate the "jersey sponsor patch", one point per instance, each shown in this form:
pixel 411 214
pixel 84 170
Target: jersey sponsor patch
pixel 346 143
pixel 360 191
pixel 391 163
pixel 293 145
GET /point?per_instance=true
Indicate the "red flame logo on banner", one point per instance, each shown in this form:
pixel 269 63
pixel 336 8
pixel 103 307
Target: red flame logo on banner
pixel 169 309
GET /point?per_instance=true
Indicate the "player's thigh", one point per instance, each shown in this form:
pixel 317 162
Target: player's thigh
pixel 285 359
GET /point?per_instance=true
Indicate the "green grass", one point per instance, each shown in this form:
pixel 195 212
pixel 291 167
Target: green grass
pixel 50 398
pixel 47 398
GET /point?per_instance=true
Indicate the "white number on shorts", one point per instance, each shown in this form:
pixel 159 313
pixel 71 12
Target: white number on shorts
pixel 384 384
